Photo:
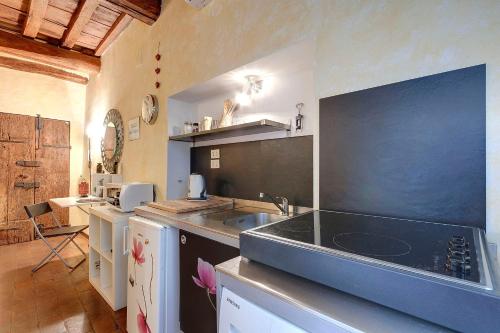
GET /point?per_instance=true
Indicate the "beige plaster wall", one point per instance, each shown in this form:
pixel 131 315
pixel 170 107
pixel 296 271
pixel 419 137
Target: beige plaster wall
pixel 195 46
pixel 360 44
pixel 32 94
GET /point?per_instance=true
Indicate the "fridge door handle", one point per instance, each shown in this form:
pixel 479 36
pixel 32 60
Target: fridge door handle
pixel 126 249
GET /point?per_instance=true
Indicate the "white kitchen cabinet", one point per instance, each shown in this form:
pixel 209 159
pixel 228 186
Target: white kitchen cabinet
pixel 107 254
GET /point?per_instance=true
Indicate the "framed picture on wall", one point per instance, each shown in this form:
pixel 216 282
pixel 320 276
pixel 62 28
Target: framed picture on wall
pixel 134 129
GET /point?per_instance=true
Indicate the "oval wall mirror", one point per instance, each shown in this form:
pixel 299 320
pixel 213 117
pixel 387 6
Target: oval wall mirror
pixel 112 142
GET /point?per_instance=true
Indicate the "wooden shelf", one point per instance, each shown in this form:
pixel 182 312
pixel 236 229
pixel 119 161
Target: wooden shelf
pixel 107 261
pixel 256 127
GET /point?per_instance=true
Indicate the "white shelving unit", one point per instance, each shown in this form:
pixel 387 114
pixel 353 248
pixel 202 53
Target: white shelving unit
pixel 107 256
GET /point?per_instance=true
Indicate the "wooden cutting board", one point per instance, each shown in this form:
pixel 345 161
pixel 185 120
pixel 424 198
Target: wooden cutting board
pixel 185 206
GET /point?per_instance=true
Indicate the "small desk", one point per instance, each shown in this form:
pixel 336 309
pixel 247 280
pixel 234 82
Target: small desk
pixel 79 202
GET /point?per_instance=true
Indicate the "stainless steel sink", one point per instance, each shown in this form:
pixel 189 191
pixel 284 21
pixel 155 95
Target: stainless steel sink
pixel 253 220
pixel 243 218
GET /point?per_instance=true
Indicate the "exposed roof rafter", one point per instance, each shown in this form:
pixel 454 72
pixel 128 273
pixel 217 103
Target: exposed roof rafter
pixel 120 24
pixel 48 54
pixel 146 11
pixel 33 21
pixel 54 36
pixel 31 67
pixel 80 18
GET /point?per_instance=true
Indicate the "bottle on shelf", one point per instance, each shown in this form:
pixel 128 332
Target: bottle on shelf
pixel 83 187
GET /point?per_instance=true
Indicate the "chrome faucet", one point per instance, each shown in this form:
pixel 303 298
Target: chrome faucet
pixel 283 207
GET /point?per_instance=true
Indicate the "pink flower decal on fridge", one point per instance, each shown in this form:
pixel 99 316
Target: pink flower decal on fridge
pixel 142 323
pixel 206 279
pixel 137 252
pixel 138 259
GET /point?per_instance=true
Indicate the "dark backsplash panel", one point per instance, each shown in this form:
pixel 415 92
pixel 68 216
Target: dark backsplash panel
pixel 413 149
pixel 280 166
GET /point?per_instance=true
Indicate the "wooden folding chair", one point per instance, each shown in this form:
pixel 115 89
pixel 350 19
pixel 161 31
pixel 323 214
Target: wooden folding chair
pixel 70 232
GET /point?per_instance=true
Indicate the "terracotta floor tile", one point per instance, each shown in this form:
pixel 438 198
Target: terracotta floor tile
pixel 7 291
pixel 67 310
pixel 5 318
pixel 78 325
pixel 49 313
pixel 104 324
pixel 83 285
pixel 53 299
pixel 24 284
pixel 22 305
pixel 24 329
pixel 51 326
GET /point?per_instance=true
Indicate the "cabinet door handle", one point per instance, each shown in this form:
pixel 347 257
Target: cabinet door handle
pixel 183 239
pixel 125 241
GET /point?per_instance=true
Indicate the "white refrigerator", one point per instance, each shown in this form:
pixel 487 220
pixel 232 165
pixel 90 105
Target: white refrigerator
pixel 153 277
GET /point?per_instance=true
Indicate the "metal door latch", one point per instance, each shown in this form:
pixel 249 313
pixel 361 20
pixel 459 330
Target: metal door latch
pixel 56 146
pixel 28 164
pixel 27 185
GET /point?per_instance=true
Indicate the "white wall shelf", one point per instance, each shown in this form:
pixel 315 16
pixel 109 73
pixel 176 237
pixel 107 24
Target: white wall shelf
pixel 107 258
pixel 256 127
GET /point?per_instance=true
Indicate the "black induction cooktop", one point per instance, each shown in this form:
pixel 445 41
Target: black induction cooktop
pixel 438 272
pixel 448 250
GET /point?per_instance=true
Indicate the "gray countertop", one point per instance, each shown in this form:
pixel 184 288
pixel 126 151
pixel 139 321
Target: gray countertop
pixel 203 224
pixel 194 223
pixel 311 306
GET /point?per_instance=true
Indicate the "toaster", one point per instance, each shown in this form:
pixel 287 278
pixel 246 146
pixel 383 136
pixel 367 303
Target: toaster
pixel 129 196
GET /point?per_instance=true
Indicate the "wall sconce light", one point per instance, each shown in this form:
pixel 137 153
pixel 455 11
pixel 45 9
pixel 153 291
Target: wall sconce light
pixel 251 88
pixel 94 132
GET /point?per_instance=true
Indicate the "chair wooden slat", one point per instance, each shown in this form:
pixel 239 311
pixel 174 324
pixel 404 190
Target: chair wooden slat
pixel 37 209
pixel 64 231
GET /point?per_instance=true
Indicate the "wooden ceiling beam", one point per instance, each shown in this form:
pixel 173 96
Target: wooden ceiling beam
pixel 146 11
pixel 47 54
pixel 31 67
pixel 34 19
pixel 120 24
pixel 78 21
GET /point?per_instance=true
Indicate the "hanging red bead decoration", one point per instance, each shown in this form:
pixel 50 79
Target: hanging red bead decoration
pixel 157 69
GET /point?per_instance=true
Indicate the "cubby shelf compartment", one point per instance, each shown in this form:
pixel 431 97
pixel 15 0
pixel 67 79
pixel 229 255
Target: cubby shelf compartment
pixel 95 230
pixel 106 233
pixel 107 258
pixel 256 127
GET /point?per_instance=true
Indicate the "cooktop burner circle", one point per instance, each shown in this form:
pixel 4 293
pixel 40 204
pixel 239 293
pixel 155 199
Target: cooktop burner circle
pixel 373 245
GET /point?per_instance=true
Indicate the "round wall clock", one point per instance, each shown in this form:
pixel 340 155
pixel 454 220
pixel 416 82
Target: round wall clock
pixel 150 109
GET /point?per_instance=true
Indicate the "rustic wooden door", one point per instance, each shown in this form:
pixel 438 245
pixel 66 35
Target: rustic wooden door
pixel 17 144
pixel 34 167
pixel 52 151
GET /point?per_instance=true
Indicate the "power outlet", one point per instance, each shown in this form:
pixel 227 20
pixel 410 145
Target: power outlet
pixel 214 164
pixel 214 153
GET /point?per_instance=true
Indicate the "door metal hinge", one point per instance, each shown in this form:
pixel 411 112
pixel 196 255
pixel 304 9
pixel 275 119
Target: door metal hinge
pixel 13 141
pixel 38 122
pixel 27 185
pixel 56 146
pixel 29 164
